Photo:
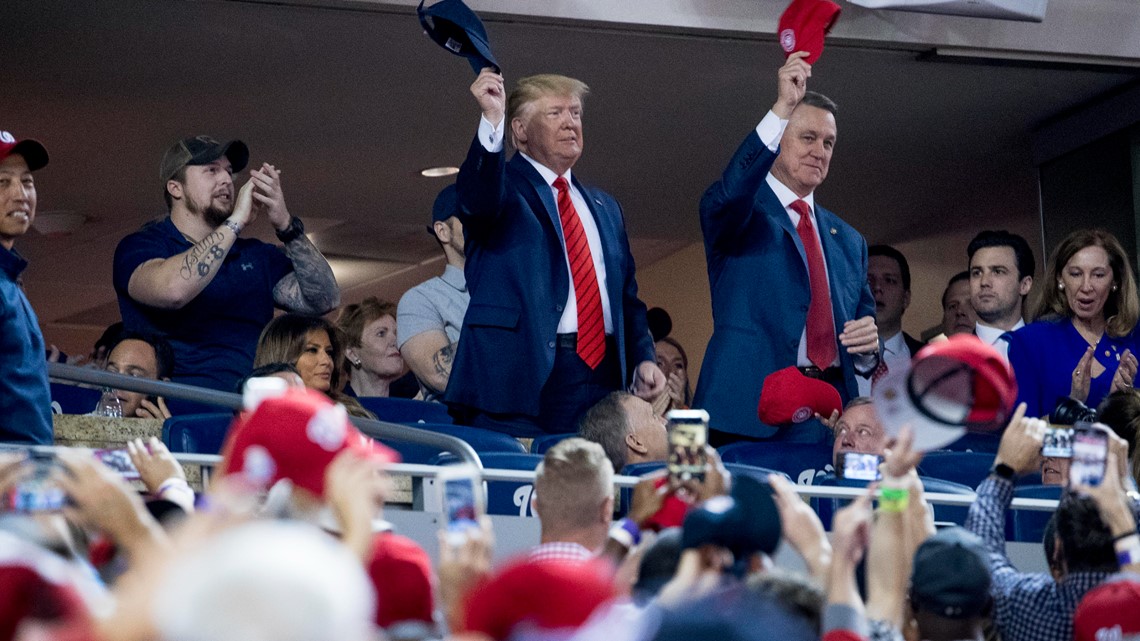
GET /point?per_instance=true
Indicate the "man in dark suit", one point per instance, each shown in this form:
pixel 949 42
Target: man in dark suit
pixel 888 274
pixel 777 300
pixel 554 322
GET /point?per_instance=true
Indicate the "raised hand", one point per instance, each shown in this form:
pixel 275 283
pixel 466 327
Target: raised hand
pixel 243 213
pixel 1082 375
pixel 792 84
pixel 268 196
pixel 491 95
pixel 1020 445
pixel 1125 372
pixel 648 381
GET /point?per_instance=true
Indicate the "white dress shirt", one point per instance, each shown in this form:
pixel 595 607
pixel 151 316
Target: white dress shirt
pixel 895 354
pixel 491 137
pixel 993 336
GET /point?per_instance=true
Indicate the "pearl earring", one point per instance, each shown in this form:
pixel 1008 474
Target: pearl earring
pixel 1060 286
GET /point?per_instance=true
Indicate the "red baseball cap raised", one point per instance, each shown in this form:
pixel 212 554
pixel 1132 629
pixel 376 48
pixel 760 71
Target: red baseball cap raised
pixel 33 152
pixel 804 24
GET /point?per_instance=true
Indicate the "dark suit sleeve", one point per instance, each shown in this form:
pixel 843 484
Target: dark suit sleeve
pixel 726 207
pixel 481 186
pixel 1025 370
pixel 866 298
pixel 639 342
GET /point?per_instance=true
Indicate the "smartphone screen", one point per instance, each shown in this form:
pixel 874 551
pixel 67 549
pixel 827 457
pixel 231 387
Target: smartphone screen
pixel 688 435
pixel 38 492
pixel 859 466
pixel 462 504
pixel 119 461
pixel 1058 442
pixel 1090 453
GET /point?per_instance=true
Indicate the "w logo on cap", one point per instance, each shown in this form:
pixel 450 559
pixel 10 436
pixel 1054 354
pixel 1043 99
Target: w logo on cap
pixel 7 138
pixel 788 40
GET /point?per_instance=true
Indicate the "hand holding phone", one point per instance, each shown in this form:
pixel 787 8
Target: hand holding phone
pixel 859 466
pixel 688 435
pixel 38 491
pixel 461 490
pixel 1090 454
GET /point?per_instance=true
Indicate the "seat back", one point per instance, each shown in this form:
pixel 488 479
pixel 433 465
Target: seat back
pixel 481 440
pixel 826 507
pixel 803 463
pixel 965 468
pixel 542 443
pixel 504 497
pixel 1028 526
pixel 975 442
pixel 196 433
pixel 405 410
pixel 69 399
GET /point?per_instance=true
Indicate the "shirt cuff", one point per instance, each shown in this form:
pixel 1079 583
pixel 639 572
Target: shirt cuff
pixel 771 130
pixel 491 135
pixel 837 616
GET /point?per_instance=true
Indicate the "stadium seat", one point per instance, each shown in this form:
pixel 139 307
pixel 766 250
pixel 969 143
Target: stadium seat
pixel 803 463
pixel 966 468
pixel 975 442
pixel 481 440
pixel 826 507
pixel 69 399
pixel 1028 526
pixel 196 433
pixel 542 443
pixel 504 497
pixel 405 410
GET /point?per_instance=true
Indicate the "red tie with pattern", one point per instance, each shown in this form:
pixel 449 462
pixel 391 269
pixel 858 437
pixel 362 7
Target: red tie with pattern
pixel 591 328
pixel 821 348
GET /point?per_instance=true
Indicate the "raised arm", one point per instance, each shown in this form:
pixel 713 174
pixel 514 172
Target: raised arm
pixel 171 283
pixel 481 184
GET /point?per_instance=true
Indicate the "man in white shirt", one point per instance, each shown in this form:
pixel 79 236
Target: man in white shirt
pixel 888 274
pixel 1001 275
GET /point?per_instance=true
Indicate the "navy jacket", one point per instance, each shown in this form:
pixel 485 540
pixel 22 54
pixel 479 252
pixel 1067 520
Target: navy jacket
pixel 760 291
pixel 517 275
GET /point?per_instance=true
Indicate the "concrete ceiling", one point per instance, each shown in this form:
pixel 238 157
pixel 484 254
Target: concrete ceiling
pixel 351 101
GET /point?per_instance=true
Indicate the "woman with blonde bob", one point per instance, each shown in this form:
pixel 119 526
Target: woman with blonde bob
pixel 315 347
pixel 1084 343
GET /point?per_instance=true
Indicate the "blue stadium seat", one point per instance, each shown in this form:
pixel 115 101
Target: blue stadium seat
pixel 641 469
pixel 504 497
pixel 73 400
pixel 975 442
pixel 966 468
pixel 759 473
pixel 542 443
pixel 804 463
pixel 481 440
pixel 826 508
pixel 405 410
pixel 1028 526
pixel 196 433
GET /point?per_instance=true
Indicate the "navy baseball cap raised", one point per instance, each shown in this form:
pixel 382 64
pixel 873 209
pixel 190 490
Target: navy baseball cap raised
pixel 455 27
pixel 202 150
pixel 31 150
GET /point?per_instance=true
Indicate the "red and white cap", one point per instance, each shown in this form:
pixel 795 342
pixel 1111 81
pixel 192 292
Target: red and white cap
pixel 804 24
pixel 33 152
pixel 1109 611
pixel 790 397
pixel 951 387
pixel 295 436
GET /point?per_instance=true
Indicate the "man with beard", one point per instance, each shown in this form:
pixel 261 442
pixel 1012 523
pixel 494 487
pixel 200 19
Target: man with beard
pixel 1001 275
pixel 192 280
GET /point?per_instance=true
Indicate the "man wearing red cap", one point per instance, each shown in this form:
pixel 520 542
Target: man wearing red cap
pixel 25 399
pixel 789 278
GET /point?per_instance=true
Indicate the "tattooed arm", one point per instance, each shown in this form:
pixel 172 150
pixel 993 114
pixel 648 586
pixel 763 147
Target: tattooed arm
pixel 430 354
pixel 171 283
pixel 311 287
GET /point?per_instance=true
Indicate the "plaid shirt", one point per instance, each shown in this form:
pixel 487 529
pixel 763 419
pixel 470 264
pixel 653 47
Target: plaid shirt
pixel 561 551
pixel 1027 606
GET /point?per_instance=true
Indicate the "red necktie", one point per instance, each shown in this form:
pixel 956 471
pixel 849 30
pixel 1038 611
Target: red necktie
pixel 880 371
pixel 591 328
pixel 821 348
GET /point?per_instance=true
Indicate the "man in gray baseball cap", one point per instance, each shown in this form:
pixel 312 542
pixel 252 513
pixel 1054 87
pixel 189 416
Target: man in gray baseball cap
pixel 193 280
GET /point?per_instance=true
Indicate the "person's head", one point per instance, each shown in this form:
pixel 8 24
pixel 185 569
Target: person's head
pixel 17 187
pixel 1084 542
pixel 799 593
pixel 1121 412
pixel 859 430
pixel 103 345
pixel 311 344
pixel 888 274
pixel 627 428
pixel 445 224
pixel 1055 470
pixel 805 149
pixel 1089 278
pixel 671 358
pixel 573 493
pixel 197 175
pixel 1110 611
pixel 1001 274
pixel 950 585
pixel 369 329
pixel 544 113
pixel 957 313
pixel 143 356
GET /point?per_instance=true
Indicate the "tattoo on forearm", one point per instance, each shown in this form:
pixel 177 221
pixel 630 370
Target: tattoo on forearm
pixel 202 258
pixel 311 288
pixel 443 359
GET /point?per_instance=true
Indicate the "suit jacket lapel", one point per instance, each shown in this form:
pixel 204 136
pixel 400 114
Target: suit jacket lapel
pixel 770 203
pixel 540 197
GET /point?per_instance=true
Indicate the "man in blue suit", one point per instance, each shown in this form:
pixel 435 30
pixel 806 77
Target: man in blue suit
pixel 554 323
pixel 788 277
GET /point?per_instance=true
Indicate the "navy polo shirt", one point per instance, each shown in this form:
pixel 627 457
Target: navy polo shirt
pixel 25 398
pixel 215 335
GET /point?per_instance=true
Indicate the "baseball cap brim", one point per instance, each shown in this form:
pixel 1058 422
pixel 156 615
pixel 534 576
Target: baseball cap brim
pixel 32 152
pixel 899 405
pixel 235 151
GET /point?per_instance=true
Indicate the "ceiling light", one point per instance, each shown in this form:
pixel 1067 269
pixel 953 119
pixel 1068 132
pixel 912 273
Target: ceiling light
pixel 439 172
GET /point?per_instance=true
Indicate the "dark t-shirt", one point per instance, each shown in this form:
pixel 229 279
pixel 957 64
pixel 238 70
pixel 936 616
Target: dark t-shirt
pixel 215 335
pixel 25 402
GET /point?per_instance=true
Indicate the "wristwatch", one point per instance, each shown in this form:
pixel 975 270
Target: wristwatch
pixel 294 231
pixel 1003 471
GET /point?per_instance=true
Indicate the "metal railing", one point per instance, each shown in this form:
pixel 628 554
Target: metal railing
pixel 64 373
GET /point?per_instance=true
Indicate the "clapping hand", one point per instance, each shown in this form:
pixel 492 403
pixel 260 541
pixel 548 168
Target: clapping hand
pixel 1082 376
pixel 269 197
pixel 1125 372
